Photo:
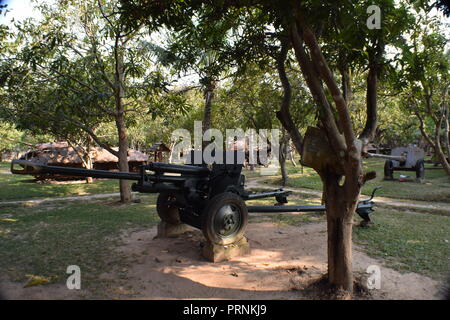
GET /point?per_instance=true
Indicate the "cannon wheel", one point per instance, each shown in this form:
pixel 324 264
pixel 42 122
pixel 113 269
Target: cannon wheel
pixel 388 170
pixel 167 212
pixel 420 170
pixel 224 219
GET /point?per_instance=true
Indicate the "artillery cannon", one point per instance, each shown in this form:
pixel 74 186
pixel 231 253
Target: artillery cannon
pixel 403 159
pixel 210 199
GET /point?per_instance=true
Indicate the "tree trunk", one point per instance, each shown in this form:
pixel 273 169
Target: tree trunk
pixel 340 273
pixel 438 148
pixel 209 95
pixel 283 155
pixel 89 165
pixel 207 114
pixel 172 145
pixel 340 201
pixel 346 85
pixel 446 130
pixel 125 192
pixel 368 132
pixel 339 228
pixel 284 115
pixel 291 153
pixel 88 159
pixel 443 160
pixel 435 142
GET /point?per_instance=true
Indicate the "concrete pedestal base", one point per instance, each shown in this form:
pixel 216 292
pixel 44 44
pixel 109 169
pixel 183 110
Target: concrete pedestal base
pixel 216 253
pixel 167 230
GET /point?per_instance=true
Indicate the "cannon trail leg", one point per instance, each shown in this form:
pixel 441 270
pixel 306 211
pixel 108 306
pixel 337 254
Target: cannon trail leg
pixel 165 208
pixel 170 225
pixel 420 171
pixel 388 170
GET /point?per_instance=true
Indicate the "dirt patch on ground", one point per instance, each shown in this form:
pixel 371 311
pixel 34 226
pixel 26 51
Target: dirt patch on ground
pixel 284 262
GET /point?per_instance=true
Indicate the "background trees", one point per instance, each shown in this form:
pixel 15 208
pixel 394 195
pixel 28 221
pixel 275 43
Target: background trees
pixel 78 68
pixel 425 83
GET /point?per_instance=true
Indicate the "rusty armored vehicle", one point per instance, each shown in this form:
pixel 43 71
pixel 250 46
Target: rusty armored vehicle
pixel 61 154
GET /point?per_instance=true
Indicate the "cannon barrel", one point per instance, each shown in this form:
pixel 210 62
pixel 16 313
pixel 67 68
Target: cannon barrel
pixel 175 168
pixel 383 156
pixel 34 168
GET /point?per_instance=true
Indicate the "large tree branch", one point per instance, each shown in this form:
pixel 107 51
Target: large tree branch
pixel 437 130
pixel 90 131
pixel 321 64
pixel 346 83
pixel 101 66
pixel 371 103
pixel 105 110
pixel 422 129
pixel 428 101
pixel 312 79
pixel 20 142
pixel 70 87
pixel 92 37
pixel 284 115
pixel 104 15
pixel 70 77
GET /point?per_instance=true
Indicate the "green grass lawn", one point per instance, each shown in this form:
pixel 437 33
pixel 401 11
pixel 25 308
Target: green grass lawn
pixel 44 240
pixel 407 241
pixel 435 188
pixel 22 187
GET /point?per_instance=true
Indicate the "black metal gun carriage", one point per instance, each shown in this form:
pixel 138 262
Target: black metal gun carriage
pixel 211 199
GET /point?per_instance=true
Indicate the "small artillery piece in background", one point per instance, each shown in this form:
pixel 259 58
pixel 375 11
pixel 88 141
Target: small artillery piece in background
pixel 211 199
pixel 409 158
